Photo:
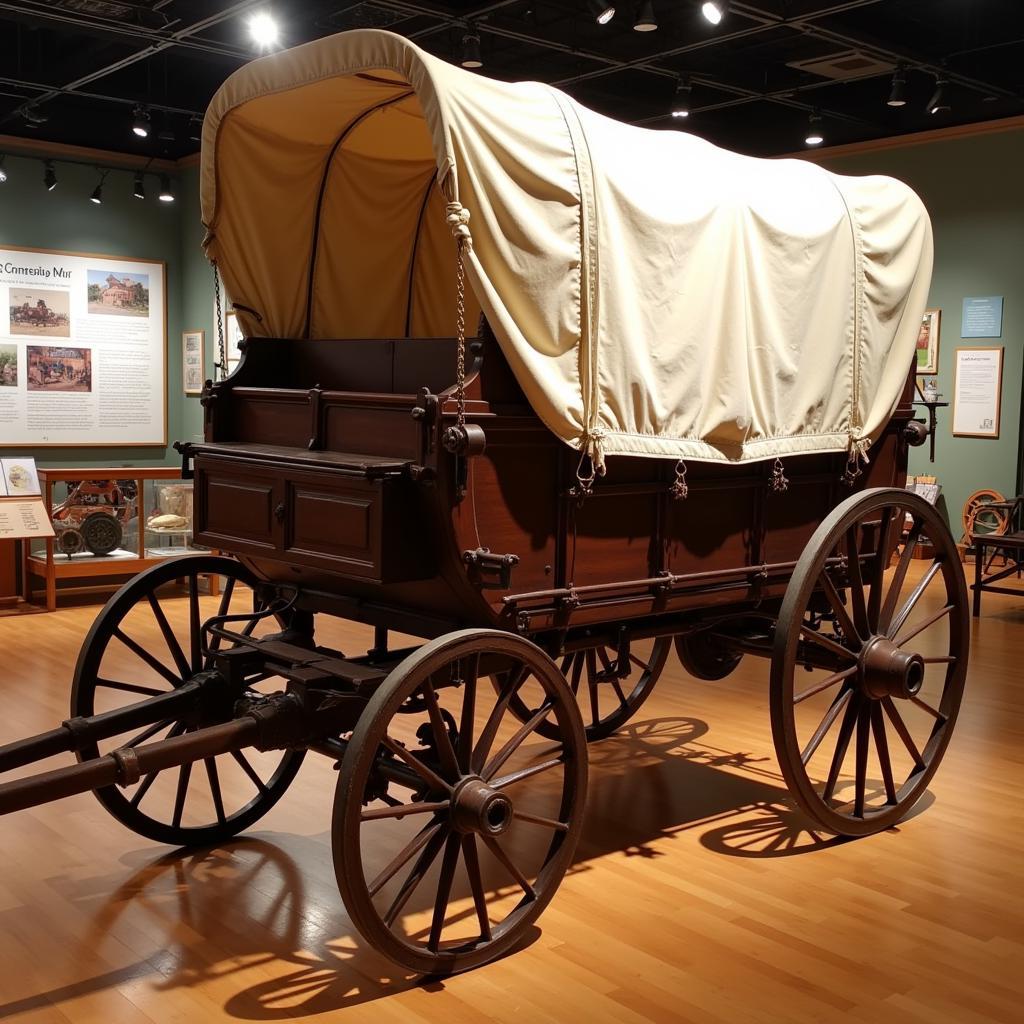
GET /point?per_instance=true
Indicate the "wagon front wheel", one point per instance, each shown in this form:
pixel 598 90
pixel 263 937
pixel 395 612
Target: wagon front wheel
pixel 869 662
pixel 454 823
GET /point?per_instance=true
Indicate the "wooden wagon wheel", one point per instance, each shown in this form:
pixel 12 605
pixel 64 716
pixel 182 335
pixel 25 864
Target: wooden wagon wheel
pixel 979 519
pixel 613 693
pixel 118 666
pixel 704 656
pixel 887 661
pixel 436 769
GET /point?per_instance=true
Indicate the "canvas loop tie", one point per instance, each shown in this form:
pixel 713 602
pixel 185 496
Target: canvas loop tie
pixel 222 360
pixel 778 481
pixel 458 222
pixel 679 488
pixel 586 474
pixel 858 456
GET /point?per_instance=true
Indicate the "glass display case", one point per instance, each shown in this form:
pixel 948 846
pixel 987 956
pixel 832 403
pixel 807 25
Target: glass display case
pixel 110 522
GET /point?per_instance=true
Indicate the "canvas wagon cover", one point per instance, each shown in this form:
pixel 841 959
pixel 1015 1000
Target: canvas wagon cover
pixel 655 295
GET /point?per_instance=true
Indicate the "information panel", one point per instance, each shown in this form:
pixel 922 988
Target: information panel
pixel 83 350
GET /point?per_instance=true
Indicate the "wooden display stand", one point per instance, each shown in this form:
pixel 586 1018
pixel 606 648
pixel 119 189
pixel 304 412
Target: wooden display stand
pixel 50 566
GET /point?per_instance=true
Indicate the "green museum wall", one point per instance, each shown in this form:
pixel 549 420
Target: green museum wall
pixel 972 187
pixel 196 299
pixel 122 226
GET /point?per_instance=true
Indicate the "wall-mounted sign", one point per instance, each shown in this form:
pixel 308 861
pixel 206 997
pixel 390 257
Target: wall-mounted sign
pixel 982 317
pixel 83 350
pixel 977 387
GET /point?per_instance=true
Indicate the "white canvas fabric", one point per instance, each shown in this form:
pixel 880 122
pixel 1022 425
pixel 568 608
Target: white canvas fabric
pixel 655 295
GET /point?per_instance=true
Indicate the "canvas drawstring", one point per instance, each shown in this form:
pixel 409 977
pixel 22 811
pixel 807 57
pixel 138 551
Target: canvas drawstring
pixel 778 481
pixel 858 454
pixel 679 488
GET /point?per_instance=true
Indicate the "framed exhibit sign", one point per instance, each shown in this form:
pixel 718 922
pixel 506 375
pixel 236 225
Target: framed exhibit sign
pixel 192 364
pixel 928 342
pixel 977 387
pixel 982 317
pixel 83 348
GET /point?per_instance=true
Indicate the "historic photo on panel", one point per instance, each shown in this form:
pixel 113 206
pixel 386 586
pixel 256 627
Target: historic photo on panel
pixel 40 311
pixel 118 295
pixel 59 369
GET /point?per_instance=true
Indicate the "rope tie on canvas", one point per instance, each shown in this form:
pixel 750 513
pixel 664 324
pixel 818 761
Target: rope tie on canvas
pixel 858 455
pixel 778 480
pixel 222 360
pixel 679 489
pixel 458 222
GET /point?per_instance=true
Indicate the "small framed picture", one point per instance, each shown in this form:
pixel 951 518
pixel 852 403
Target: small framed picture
pixel 928 342
pixel 192 365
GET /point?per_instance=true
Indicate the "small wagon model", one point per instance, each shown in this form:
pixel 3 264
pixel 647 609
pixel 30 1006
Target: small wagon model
pixel 680 420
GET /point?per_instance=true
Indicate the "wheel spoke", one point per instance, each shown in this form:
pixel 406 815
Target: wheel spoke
pixel 931 620
pixel 472 862
pixel 404 855
pixel 915 596
pixel 442 738
pixel 426 858
pixel 215 792
pixel 823 641
pixel 483 748
pixel 899 576
pixel 882 749
pixel 861 776
pixel 195 627
pixel 618 693
pixel 860 612
pixel 526 773
pixel 595 714
pixel 881 564
pixel 140 652
pixel 902 731
pixel 465 751
pixel 143 789
pixel 494 846
pixel 517 740
pixel 184 772
pixel 243 763
pixel 222 608
pixel 404 810
pixel 117 684
pixel 169 638
pixel 825 684
pixel 826 723
pixel 842 744
pixel 934 712
pixel 559 826
pixel 444 888
pixel 425 773
pixel 642 665
pixel 836 603
pixel 148 734
pixel 577 672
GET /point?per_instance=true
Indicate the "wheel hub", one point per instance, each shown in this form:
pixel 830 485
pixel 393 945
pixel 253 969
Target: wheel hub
pixel 477 807
pixel 888 671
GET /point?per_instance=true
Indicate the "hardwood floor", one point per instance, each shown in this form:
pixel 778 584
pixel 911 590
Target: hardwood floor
pixel 697 893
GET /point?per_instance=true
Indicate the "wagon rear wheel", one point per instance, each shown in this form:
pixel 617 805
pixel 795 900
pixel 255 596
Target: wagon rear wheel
pixel 453 822
pixel 869 662
pixel 139 647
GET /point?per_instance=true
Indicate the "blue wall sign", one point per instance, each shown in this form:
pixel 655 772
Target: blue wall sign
pixel 983 317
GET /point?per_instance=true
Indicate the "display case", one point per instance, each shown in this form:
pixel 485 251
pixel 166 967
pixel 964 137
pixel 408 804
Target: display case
pixel 108 523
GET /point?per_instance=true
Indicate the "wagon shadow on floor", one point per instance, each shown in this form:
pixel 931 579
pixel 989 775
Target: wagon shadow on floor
pixel 252 906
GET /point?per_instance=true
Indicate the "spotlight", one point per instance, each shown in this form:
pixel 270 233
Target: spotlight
pixel 166 191
pixel 681 100
pixel 715 11
pixel 263 30
pixel 97 195
pixel 938 104
pixel 814 133
pixel 471 51
pixel 898 93
pixel 139 189
pixel 3 170
pixel 645 20
pixel 602 10
pixel 49 176
pixel 140 122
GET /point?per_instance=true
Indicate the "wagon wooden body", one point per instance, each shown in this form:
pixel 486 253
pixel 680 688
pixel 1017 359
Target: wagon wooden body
pixel 433 487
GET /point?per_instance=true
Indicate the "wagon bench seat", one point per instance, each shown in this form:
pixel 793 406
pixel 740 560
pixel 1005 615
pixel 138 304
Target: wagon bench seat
pixel 325 510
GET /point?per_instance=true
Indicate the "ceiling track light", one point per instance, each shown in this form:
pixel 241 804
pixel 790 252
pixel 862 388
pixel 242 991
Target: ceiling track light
pixel 681 100
pixel 602 10
pixel 49 175
pixel 714 11
pixel 139 188
pixel 32 117
pixel 470 57
pixel 141 123
pixel 645 19
pixel 166 191
pixel 97 192
pixel 815 135
pixel 263 30
pixel 898 92
pixel 938 104
pixel 3 170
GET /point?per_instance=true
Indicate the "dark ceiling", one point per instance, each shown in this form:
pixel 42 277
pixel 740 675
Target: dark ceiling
pixel 73 69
